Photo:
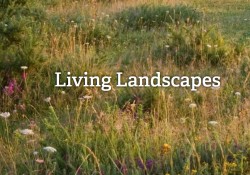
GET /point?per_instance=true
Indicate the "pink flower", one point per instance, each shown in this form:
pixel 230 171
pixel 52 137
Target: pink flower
pixel 10 88
pixel 40 161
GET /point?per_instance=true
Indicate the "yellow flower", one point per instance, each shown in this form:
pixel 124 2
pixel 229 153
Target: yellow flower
pixel 166 148
pixel 231 165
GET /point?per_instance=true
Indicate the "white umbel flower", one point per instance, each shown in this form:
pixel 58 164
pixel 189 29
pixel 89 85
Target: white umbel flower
pixel 192 105
pixel 50 149
pixel 24 67
pixel 26 131
pixel 5 114
pixel 237 93
pixel 213 123
pixel 47 99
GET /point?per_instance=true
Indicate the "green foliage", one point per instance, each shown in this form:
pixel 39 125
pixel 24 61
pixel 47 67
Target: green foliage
pixel 148 17
pixel 187 44
pixel 20 35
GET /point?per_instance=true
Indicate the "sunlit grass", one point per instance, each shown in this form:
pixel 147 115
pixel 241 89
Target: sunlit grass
pixel 48 130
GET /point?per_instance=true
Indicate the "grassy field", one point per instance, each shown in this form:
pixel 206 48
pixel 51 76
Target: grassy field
pixel 82 130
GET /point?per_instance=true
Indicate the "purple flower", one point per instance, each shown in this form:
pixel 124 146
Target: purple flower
pixel 10 88
pixel 140 163
pixel 148 165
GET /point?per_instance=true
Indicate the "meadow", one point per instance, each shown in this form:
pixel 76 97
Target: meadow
pixel 129 131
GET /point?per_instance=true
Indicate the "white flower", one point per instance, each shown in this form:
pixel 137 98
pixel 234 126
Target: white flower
pixel 87 97
pixel 245 19
pixel 108 37
pixel 50 149
pixel 63 92
pixel 237 93
pixel 5 114
pixel 35 153
pixel 209 46
pixel 24 67
pixel 212 123
pixel 47 99
pixel 192 105
pixel 167 46
pixel 26 131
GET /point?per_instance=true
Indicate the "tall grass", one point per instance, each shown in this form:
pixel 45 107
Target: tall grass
pixel 127 130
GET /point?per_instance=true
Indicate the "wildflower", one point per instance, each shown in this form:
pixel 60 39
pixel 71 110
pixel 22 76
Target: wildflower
pixel 5 114
pixel 63 92
pixel 237 93
pixel 149 164
pixel 10 88
pixel 50 149
pixel 108 37
pixel 87 97
pixel 35 153
pixel 39 161
pixel 166 148
pixel 209 46
pixel 140 163
pixel 231 165
pixel 24 67
pixel 6 25
pixel 48 99
pixel 245 19
pixel 26 131
pixel 167 46
pixel 192 105
pixel 212 123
